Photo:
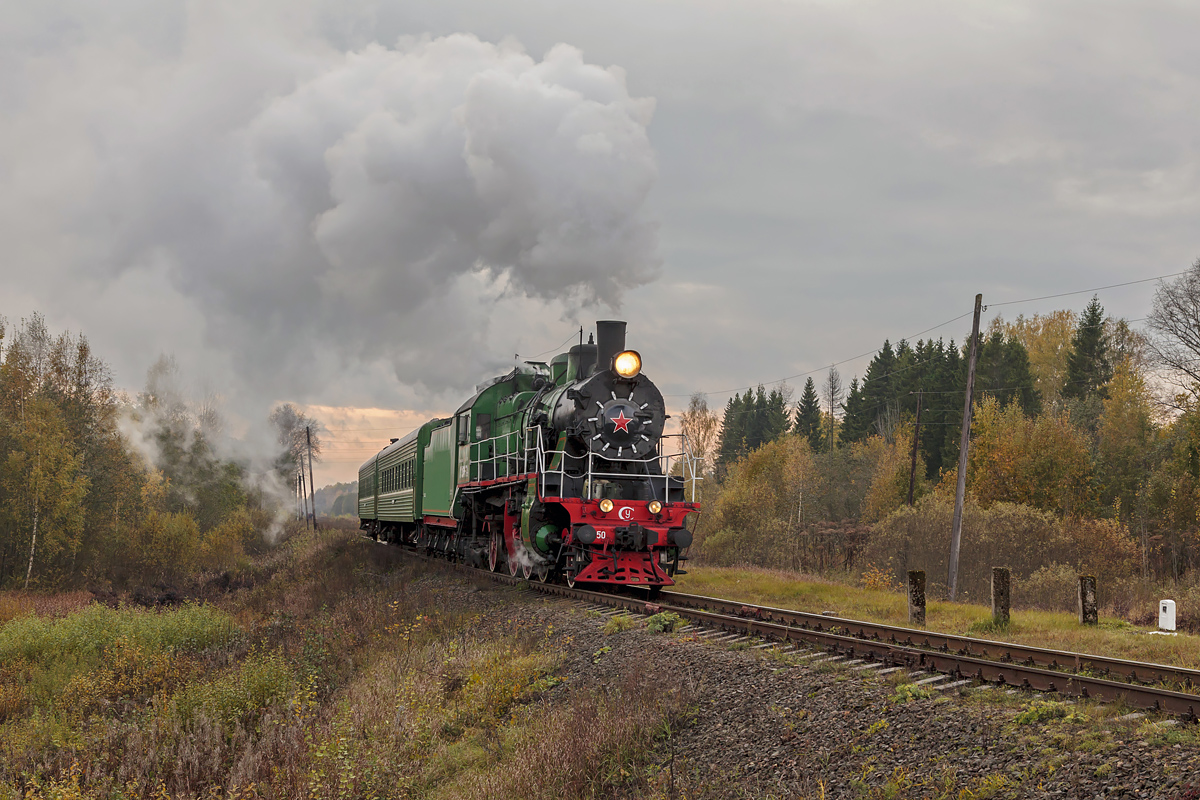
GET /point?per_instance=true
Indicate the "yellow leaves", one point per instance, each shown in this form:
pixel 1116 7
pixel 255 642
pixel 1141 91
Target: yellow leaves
pixel 889 484
pixel 224 545
pixel 168 543
pixel 154 490
pixel 1047 339
pixel 14 700
pixel 879 579
pixel 128 672
pixel 1041 462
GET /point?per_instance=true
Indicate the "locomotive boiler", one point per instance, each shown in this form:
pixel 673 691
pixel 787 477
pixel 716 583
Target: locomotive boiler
pixel 557 471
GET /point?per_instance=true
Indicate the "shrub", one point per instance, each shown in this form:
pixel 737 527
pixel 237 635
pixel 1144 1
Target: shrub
pixel 1053 587
pixel 87 633
pixel 225 544
pixel 663 622
pixel 1021 538
pixel 880 579
pixel 619 623
pixel 261 681
pixel 127 672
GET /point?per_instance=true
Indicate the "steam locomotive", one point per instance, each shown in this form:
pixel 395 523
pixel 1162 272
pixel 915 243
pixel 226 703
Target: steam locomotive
pixel 558 471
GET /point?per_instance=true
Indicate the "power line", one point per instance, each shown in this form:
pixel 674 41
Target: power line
pixel 559 347
pixel 821 369
pixel 1085 291
pixel 942 325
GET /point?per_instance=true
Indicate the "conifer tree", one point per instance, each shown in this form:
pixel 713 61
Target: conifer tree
pixel 1089 367
pixel 856 425
pixel 808 416
pixel 775 422
pixel 877 387
pixel 756 425
pixel 1003 370
pixel 733 430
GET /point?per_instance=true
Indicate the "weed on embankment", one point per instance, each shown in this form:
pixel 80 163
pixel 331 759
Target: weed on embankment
pixel 339 671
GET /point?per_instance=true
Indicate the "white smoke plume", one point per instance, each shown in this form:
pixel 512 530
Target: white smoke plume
pixel 166 422
pixel 324 213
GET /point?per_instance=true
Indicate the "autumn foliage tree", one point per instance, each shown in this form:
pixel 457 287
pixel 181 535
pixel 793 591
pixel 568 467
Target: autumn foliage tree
pixel 44 486
pixel 1042 462
pixel 78 502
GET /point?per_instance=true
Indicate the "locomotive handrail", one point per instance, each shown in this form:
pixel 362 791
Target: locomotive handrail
pixel 543 458
pixel 513 449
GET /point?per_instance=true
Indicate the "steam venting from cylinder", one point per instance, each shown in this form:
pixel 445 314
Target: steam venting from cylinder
pixel 610 340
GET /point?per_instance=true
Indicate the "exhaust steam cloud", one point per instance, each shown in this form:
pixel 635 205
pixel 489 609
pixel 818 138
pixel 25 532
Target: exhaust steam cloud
pixel 333 215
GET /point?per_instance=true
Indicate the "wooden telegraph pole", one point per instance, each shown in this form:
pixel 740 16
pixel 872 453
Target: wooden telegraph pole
pixel 303 497
pixel 312 482
pixel 912 470
pixel 956 530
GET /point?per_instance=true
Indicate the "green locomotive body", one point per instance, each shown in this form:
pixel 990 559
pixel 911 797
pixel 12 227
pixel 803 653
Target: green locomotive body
pixel 556 470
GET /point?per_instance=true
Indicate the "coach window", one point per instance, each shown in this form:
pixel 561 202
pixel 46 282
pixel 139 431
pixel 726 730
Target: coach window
pixel 483 427
pixel 464 431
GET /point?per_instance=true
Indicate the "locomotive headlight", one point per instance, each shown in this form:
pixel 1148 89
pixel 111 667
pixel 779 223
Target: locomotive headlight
pixel 628 363
pixel 654 506
pixel 606 505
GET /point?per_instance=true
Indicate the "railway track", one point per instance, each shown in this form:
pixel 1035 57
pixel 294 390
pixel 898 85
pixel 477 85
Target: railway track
pixel 1153 687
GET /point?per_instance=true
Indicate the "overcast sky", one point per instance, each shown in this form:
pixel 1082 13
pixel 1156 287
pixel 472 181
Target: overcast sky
pixel 368 206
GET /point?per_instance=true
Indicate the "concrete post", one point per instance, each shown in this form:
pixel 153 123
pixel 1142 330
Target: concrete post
pixel 916 597
pixel 1001 595
pixel 1088 614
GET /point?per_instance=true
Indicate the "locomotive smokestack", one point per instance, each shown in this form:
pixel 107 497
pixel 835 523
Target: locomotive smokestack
pixel 610 340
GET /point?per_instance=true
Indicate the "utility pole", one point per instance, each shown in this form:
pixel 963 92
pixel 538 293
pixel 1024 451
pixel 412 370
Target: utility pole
pixel 312 482
pixel 956 530
pixel 303 498
pixel 912 471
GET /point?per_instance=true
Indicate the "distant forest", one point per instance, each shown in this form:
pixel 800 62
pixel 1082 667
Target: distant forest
pixel 337 499
pixel 1084 455
pixel 1075 360
pixel 102 489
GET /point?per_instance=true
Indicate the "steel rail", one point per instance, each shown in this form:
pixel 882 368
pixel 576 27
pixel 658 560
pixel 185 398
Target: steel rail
pixel 852 638
pixel 1134 671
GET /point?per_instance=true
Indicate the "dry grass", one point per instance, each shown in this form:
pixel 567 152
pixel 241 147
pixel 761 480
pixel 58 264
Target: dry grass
pixel 44 604
pixel 341 672
pixel 1112 637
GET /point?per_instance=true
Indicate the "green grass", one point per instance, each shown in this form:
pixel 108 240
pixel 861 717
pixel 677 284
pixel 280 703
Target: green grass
pixel 1112 637
pixel 41 657
pixel 86 634
pixel 619 624
pixel 343 671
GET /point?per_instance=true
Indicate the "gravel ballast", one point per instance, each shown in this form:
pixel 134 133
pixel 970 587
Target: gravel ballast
pixel 769 725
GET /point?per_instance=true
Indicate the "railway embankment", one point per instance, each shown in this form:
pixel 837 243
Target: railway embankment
pixel 335 667
pixel 804 724
pixel 331 667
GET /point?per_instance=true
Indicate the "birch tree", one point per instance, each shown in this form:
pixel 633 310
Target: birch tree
pixel 43 485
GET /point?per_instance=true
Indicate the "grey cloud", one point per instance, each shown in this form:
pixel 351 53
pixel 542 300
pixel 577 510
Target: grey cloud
pixel 836 172
pixel 377 204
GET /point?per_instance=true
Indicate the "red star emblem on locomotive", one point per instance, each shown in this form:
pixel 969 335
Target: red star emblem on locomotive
pixel 621 422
